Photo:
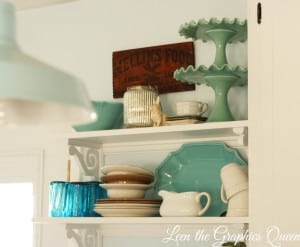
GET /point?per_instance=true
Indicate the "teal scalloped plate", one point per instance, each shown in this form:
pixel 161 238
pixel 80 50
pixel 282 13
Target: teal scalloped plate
pixel 196 167
pixel 197 30
pixel 197 75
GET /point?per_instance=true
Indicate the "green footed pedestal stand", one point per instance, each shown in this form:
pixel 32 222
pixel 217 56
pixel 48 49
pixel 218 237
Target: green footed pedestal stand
pixel 221 110
pixel 219 76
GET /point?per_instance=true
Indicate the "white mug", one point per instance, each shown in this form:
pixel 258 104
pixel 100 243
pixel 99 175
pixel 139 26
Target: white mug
pixel 234 179
pixel 238 204
pixel 190 108
pixel 234 189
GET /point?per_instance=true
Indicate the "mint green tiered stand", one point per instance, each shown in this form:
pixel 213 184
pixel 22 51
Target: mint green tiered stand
pixel 220 76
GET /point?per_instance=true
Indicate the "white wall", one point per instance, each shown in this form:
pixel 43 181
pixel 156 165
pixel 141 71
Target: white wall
pixel 80 37
pixel 47 142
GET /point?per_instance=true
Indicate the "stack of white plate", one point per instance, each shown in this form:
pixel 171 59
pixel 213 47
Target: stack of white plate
pixel 126 186
pixel 126 181
pixel 124 169
pixel 127 207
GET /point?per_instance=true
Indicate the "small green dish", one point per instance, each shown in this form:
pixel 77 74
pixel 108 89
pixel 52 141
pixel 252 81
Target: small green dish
pixel 109 116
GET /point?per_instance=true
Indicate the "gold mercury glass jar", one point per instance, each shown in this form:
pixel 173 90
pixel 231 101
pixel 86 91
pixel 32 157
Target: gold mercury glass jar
pixel 138 101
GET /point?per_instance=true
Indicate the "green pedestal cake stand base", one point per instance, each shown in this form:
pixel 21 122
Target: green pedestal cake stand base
pixel 221 32
pixel 221 80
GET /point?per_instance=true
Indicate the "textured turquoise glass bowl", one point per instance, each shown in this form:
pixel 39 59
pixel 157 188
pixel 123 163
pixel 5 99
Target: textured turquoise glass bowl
pixel 74 199
pixel 109 116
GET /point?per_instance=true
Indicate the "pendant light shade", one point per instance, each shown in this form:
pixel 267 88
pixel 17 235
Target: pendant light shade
pixel 32 92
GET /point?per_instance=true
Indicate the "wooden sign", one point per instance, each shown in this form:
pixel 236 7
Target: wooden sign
pixel 152 66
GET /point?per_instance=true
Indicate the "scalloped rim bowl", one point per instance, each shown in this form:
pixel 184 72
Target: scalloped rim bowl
pixel 124 169
pixel 127 179
pixel 126 190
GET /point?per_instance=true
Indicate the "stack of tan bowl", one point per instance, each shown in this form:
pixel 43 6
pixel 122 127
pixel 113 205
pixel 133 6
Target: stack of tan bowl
pixel 126 187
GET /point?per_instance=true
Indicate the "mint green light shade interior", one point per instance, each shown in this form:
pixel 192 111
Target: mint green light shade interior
pixel 32 92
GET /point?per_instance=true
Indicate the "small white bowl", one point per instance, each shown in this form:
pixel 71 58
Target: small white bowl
pixel 126 190
pixel 124 169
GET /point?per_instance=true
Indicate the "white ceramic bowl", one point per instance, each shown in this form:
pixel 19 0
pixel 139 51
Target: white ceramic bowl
pixel 126 190
pixel 124 169
pixel 127 179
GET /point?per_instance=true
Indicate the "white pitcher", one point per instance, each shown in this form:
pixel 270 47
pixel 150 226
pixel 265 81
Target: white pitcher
pixel 234 190
pixel 183 204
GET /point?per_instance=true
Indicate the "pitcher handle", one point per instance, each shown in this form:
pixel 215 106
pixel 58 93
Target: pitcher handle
pixel 204 108
pixel 223 194
pixel 198 197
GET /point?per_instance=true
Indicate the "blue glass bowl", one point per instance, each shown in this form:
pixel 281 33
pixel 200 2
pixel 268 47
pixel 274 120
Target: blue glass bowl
pixel 109 116
pixel 74 199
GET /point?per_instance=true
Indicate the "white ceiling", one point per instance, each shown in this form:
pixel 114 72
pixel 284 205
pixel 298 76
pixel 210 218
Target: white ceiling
pixel 28 4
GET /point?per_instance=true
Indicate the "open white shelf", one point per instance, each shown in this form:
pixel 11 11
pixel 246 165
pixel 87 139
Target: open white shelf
pixel 145 226
pixel 141 220
pixel 233 133
pixel 149 139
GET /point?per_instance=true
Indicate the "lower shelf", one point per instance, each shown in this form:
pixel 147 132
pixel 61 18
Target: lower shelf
pixel 142 220
pixel 165 229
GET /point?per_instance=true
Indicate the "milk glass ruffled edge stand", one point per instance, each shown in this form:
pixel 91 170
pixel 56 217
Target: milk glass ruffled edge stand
pixel 220 76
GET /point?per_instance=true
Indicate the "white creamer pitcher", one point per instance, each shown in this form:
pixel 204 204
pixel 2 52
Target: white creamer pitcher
pixel 183 204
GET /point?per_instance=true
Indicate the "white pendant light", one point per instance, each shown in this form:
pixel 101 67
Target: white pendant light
pixel 32 92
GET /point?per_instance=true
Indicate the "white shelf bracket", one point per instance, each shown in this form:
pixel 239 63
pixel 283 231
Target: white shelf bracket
pixel 85 235
pixel 242 132
pixel 88 158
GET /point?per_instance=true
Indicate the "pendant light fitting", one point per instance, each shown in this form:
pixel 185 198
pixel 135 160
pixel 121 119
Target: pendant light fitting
pixel 32 92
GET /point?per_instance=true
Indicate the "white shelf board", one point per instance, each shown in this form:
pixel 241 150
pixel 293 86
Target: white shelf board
pixel 215 131
pixel 141 220
pixel 146 226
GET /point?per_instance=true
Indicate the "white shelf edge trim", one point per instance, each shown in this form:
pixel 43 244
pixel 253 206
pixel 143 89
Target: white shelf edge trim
pixel 127 140
pixel 161 129
pixel 141 220
pixel 92 235
pixel 144 226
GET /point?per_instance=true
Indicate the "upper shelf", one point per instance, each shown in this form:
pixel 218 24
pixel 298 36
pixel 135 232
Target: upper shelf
pixel 233 133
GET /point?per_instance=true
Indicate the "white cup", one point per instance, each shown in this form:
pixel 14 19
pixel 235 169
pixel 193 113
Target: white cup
pixel 234 189
pixel 190 108
pixel 234 179
pixel 238 204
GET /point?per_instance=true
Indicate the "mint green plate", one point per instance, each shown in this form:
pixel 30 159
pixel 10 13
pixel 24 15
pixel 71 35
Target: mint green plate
pixel 197 167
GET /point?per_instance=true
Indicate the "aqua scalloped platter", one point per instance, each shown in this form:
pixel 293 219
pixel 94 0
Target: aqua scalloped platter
pixel 197 75
pixel 196 167
pixel 197 30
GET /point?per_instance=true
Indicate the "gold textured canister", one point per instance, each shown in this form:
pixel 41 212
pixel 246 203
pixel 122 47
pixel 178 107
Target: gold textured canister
pixel 138 101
